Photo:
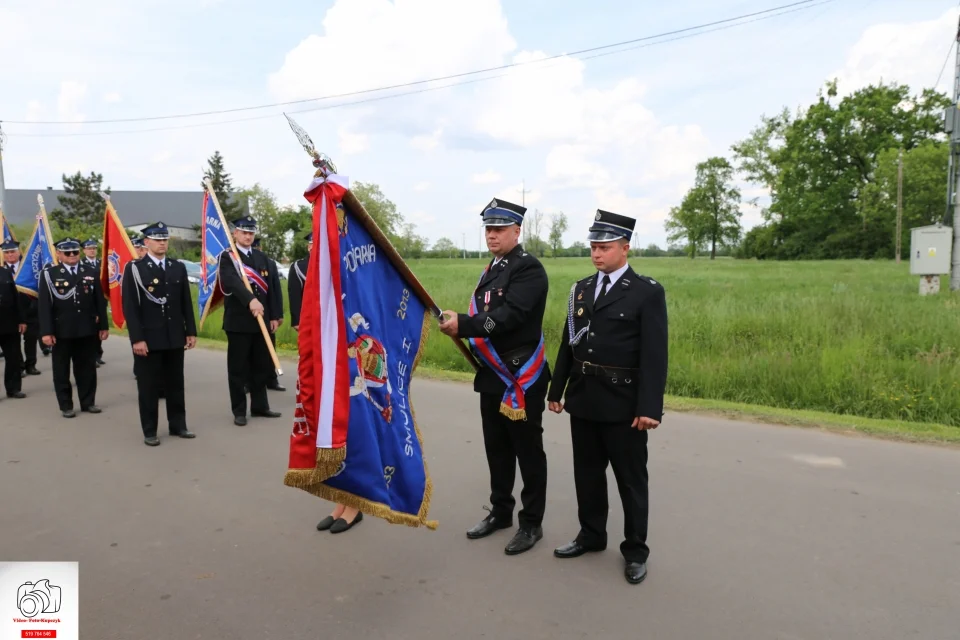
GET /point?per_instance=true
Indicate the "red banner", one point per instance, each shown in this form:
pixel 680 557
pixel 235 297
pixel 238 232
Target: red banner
pixel 117 252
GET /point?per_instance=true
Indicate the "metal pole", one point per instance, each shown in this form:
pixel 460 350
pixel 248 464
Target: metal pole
pixel 954 177
pixel 899 204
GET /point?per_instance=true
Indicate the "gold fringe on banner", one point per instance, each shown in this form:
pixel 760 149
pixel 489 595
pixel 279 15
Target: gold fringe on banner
pixel 311 480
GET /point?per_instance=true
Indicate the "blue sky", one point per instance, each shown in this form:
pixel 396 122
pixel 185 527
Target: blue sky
pixel 620 132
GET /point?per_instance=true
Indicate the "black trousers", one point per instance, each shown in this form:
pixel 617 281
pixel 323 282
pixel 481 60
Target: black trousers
pixel 30 339
pixel 248 364
pixel 273 380
pixel 508 443
pixel 82 352
pixel 595 444
pixel 10 343
pixel 160 371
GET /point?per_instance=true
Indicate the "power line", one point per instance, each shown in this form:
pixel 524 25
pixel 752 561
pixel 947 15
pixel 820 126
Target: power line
pixel 554 59
pixel 945 60
pixel 798 3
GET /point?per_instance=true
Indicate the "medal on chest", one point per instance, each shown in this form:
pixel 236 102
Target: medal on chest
pixel 486 301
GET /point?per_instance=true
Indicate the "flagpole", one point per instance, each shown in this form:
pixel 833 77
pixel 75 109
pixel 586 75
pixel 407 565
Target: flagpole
pixel 4 223
pixel 243 274
pixel 46 228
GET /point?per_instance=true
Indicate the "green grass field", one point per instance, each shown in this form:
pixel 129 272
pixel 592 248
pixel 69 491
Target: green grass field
pixel 846 337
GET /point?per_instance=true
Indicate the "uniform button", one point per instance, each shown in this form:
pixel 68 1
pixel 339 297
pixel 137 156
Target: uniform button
pixel 592 334
pixel 589 350
pixel 621 315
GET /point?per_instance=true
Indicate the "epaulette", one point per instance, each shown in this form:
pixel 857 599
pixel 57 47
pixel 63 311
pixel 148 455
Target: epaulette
pixel 650 281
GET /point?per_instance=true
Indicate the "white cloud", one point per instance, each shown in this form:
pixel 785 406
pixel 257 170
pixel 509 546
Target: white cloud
pixel 373 43
pixel 352 142
pixel 427 142
pixel 113 96
pixel 72 93
pixel 487 177
pixel 910 53
pixel 421 186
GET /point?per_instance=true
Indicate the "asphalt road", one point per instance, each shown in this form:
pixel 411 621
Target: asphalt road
pixel 757 531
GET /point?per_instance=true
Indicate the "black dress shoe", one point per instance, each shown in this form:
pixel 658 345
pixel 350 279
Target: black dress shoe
pixel 573 550
pixel 33 371
pixel 68 413
pixel 266 414
pixel 17 394
pixel 635 572
pixel 186 433
pixel 523 540
pixel 326 523
pixel 152 442
pixel 100 361
pixel 276 387
pixel 91 409
pixel 342 525
pixel 240 421
pixel 488 525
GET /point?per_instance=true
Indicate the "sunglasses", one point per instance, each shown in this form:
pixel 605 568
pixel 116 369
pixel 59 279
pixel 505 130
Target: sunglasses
pixel 72 252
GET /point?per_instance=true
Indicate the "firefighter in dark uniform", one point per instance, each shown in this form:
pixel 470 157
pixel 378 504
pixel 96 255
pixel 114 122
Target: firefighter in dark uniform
pixel 296 279
pixel 506 321
pixel 73 320
pixel 90 259
pixel 31 337
pixel 158 309
pixel 248 359
pixel 612 364
pixel 276 295
pixel 13 324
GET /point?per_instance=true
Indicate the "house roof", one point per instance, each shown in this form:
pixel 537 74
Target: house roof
pixel 176 208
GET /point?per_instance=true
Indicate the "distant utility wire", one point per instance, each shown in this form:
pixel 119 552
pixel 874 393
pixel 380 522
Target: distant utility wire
pixel 639 43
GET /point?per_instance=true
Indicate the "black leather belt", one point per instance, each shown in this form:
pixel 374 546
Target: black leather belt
pixel 517 356
pixel 615 373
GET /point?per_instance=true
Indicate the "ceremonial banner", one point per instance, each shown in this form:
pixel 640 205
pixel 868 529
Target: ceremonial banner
pixel 216 240
pixel 363 328
pixel 38 255
pixel 117 252
pixel 6 233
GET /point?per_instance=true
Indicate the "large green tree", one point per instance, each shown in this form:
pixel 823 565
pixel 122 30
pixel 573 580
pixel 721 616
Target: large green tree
pixel 710 212
pixel 223 187
pixel 81 209
pixel 819 164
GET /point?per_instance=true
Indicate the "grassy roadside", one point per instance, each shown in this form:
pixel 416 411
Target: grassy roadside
pixel 901 431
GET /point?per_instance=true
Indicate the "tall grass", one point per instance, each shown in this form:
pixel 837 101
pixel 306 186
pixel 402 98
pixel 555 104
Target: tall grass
pixel 850 337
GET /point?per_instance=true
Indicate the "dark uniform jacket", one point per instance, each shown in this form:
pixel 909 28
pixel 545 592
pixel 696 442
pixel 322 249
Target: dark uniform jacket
pixel 157 304
pixel 513 321
pixel 296 279
pixel 236 304
pixel 28 304
pixel 618 369
pixel 12 309
pixel 83 313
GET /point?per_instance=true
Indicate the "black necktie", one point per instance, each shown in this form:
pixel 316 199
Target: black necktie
pixel 162 267
pixel 603 289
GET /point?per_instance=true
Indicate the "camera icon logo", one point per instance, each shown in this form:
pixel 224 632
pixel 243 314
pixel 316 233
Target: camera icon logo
pixel 34 598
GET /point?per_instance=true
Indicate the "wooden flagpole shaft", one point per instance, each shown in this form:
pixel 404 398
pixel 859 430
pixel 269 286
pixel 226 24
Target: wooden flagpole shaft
pixel 46 229
pixel 243 274
pixel 371 226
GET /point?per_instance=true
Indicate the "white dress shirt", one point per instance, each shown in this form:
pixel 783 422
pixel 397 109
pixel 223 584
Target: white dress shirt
pixel 613 280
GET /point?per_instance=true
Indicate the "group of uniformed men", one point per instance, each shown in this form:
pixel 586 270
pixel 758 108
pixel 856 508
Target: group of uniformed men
pixel 69 315
pixel 609 375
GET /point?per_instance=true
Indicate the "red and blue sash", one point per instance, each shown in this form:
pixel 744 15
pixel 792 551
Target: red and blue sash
pixel 514 404
pixel 253 276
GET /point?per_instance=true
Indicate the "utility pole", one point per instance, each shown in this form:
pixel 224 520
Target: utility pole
pixel 899 204
pixel 523 193
pixel 953 178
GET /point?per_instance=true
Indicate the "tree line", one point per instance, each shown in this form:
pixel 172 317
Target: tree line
pixel 831 170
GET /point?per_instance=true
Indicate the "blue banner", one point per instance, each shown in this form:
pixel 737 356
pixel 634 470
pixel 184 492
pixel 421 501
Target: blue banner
pixel 38 255
pixel 6 233
pixel 386 329
pixel 216 240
